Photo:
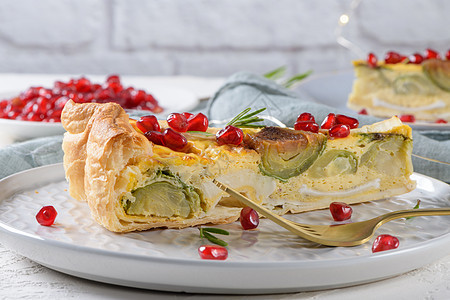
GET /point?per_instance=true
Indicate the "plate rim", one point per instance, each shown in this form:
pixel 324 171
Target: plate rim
pixel 369 258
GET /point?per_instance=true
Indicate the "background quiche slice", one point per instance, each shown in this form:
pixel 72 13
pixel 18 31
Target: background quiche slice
pixel 132 184
pixel 421 90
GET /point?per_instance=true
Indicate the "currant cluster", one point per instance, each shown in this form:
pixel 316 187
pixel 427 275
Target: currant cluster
pixel 338 126
pixel 46 104
pixel 393 57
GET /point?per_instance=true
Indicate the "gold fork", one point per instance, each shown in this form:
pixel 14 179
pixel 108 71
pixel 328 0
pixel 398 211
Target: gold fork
pixel 350 234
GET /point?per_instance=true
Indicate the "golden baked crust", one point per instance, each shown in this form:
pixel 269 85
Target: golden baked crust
pixel 110 164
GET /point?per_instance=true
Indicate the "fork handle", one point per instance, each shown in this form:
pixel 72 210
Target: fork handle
pixel 413 213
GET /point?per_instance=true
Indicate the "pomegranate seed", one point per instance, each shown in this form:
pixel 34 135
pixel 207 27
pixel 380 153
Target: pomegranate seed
pixel 249 218
pixel 363 112
pixel 230 135
pixel 213 252
pixel 447 54
pixel 329 121
pixel 148 123
pixel 416 58
pixel 306 126
pixel 408 118
pixel 351 122
pixel 441 121
pixel 372 60
pixel 392 57
pixel 340 211
pixel 46 215
pixel 177 122
pixel 188 115
pixel 174 140
pixel 430 53
pixel 198 122
pixel 155 137
pixel 339 131
pixel 306 117
pixel 113 79
pixel 385 242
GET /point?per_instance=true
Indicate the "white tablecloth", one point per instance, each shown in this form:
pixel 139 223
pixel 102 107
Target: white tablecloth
pixel 21 278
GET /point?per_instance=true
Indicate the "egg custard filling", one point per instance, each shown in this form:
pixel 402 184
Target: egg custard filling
pixel 133 184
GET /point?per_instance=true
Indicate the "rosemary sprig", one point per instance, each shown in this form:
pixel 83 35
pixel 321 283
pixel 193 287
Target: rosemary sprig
pixel 291 82
pixel 276 74
pixel 415 207
pixel 279 73
pixel 206 233
pixel 246 120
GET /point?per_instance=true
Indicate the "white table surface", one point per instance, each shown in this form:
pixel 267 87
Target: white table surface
pixel 21 278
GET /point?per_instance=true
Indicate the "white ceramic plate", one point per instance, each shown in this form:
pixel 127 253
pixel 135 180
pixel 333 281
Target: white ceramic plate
pixel 267 260
pixel 172 99
pixel 332 89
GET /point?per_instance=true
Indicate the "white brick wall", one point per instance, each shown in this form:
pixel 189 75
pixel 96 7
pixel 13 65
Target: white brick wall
pixel 208 37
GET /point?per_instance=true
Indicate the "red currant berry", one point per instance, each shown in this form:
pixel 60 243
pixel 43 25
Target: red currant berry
pixel 363 112
pixel 416 58
pixel 430 53
pixel 351 122
pixel 329 121
pixel 392 57
pixel 372 60
pixel 174 140
pixel 306 126
pixel 441 121
pixel 340 211
pixel 148 123
pixel 249 218
pixel 306 117
pixel 385 242
pixel 213 252
pixel 177 122
pixel 155 137
pixel 408 118
pixel 230 135
pixel 339 131
pixel 46 216
pixel 198 122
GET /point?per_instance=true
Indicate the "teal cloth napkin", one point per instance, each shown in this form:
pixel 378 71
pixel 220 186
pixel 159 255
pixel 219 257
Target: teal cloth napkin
pixel 241 90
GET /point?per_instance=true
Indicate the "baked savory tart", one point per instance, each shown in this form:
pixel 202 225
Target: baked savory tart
pixel 421 89
pixel 132 184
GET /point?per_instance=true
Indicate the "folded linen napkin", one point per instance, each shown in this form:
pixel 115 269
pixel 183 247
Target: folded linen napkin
pixel 241 91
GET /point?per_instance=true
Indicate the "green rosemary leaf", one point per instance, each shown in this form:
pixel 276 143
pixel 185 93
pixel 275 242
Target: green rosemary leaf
pixel 415 207
pixel 296 79
pixel 214 239
pixel 239 116
pixel 276 74
pixel 255 112
pixel 216 230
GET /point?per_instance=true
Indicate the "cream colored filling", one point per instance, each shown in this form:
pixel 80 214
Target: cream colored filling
pixel 381 103
pixel 374 184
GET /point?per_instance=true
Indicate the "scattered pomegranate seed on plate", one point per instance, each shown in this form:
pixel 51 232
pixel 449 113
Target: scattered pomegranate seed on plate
pixel 213 252
pixel 385 242
pixel 340 211
pixel 249 218
pixel 46 215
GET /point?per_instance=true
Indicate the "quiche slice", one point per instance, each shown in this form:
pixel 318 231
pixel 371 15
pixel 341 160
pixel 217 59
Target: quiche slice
pixel 132 184
pixel 421 90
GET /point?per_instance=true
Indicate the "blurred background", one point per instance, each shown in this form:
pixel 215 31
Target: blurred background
pixel 211 37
